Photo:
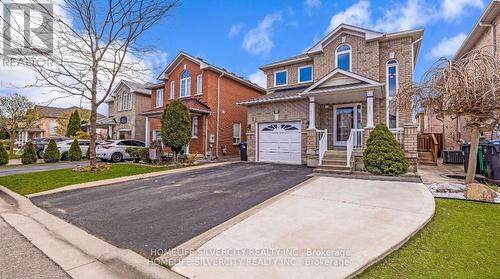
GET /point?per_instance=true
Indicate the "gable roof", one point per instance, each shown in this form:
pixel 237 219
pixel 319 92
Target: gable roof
pixel 367 34
pixel 134 87
pixel 56 112
pixel 339 78
pixel 204 65
pixel 489 15
pixel 193 105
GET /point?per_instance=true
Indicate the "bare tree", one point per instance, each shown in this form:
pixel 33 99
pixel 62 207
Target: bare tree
pixel 96 43
pixel 468 87
pixel 16 114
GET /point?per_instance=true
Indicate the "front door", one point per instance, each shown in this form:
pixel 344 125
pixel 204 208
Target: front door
pixel 345 118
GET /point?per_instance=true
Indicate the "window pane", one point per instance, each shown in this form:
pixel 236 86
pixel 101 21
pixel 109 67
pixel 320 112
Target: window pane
pixel 305 74
pixel 281 78
pixel 343 61
pixel 199 84
pixel 392 78
pixel 172 89
pixel 194 127
pixel 392 115
pixel 343 48
pixel 236 133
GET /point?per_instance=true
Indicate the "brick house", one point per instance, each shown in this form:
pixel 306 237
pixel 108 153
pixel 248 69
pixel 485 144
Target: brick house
pixel 321 105
pixel 125 105
pixel 211 94
pixel 484 35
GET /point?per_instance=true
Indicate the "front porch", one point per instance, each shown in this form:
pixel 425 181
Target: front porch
pixel 340 121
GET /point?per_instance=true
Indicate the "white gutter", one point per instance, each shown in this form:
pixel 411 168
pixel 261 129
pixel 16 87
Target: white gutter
pixel 493 36
pixel 218 117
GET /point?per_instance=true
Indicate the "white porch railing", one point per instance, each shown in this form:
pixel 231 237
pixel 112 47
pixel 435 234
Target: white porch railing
pixel 355 141
pixel 323 144
pixel 398 134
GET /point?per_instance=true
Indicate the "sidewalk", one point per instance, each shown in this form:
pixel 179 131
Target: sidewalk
pixel 21 259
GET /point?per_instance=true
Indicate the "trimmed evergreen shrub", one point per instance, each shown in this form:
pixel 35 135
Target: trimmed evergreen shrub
pixel 74 124
pixel 176 126
pixel 383 154
pixel 29 154
pixel 51 154
pixel 4 156
pixel 75 152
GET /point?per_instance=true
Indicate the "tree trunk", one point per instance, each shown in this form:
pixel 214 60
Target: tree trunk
pixel 471 170
pixel 12 141
pixel 93 135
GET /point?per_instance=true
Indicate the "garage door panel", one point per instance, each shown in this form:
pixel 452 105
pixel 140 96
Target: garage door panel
pixel 280 142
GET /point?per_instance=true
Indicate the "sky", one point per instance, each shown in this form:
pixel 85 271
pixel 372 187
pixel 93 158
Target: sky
pixel 243 35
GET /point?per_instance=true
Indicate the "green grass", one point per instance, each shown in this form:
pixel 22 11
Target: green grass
pixel 462 241
pixel 35 182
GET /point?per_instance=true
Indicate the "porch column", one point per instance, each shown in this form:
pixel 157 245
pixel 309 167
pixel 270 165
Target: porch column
pixel 147 131
pixel 110 131
pixel 312 113
pixel 369 109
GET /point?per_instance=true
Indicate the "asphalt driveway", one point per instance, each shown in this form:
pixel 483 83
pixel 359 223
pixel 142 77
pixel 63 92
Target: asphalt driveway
pixel 163 212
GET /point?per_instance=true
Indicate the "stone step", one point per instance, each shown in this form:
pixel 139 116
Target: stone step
pixel 335 156
pixel 427 162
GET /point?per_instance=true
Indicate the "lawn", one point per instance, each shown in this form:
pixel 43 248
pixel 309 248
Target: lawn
pixel 462 241
pixel 35 182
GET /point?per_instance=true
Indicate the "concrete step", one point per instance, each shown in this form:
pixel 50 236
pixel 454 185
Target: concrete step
pixel 334 167
pixel 427 162
pixel 334 161
pixel 331 171
pixel 335 156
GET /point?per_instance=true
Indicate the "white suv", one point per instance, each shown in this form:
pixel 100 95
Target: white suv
pixel 115 150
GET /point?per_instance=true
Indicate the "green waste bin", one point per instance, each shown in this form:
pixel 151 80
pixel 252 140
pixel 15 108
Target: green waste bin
pixel 481 161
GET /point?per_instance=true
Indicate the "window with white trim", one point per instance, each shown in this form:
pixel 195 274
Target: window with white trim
pixel 124 101
pixel 53 127
pixel 392 89
pixel 305 74
pixel 172 89
pixel 343 57
pixel 159 97
pixel 194 127
pixel 236 133
pixel 199 84
pixel 281 78
pixel 185 84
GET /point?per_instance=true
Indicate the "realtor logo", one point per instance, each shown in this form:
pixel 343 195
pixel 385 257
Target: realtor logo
pixel 27 29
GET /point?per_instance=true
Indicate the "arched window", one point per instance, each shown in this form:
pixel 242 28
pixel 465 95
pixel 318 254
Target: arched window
pixel 343 57
pixel 392 80
pixel 185 84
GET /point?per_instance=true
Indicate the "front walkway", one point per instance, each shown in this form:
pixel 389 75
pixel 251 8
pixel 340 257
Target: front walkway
pixel 329 228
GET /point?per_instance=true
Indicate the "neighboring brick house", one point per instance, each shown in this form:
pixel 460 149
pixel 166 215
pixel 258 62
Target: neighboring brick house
pixel 125 105
pixel 47 125
pixel 485 35
pixel 343 85
pixel 211 94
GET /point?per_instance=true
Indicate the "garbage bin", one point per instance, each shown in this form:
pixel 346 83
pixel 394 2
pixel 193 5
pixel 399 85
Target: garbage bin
pixel 481 163
pixel 243 151
pixel 492 152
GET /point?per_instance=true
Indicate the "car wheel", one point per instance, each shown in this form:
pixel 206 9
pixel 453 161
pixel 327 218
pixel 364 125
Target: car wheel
pixel 39 153
pixel 116 157
pixel 64 156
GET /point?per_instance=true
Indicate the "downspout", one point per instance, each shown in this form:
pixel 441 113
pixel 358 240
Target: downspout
pixel 493 36
pixel 218 116
pixel 413 114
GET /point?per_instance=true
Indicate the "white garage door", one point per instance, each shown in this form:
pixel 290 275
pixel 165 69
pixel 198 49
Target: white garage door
pixel 280 142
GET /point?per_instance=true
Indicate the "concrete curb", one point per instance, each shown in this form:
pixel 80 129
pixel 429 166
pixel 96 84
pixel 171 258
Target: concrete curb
pixel 198 241
pixel 79 254
pixel 430 204
pixel 124 179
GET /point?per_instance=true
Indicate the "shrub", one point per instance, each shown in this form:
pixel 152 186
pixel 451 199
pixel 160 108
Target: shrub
pixel 176 126
pixel 75 152
pixel 81 135
pixel 383 154
pixel 74 124
pixel 29 154
pixel 51 154
pixel 4 156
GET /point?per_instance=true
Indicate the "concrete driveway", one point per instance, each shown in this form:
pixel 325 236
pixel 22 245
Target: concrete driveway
pixel 18 169
pixel 328 228
pixel 165 211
